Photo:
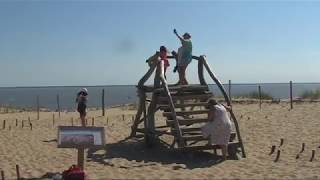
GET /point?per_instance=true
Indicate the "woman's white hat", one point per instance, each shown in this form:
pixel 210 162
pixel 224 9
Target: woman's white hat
pixel 84 90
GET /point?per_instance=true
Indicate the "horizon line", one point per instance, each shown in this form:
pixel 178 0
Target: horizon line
pixel 58 86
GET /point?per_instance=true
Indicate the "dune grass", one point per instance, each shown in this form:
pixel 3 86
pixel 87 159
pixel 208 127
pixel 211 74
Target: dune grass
pixel 310 94
pixel 255 95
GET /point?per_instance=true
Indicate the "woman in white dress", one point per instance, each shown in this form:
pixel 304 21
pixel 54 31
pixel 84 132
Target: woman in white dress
pixel 218 129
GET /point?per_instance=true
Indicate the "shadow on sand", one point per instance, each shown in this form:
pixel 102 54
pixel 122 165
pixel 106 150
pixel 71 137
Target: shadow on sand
pixel 135 150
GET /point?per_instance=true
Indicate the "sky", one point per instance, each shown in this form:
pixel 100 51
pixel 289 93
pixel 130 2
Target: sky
pixel 87 42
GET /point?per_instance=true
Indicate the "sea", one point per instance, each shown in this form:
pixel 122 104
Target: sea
pixel 26 97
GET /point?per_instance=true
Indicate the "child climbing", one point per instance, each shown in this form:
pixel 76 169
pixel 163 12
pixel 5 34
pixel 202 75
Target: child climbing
pixel 82 104
pixel 184 56
pixel 163 57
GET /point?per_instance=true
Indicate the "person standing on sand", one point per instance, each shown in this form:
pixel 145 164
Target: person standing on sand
pixel 218 129
pixel 81 101
pixel 184 56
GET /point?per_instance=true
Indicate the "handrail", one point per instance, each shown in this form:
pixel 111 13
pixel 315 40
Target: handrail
pixel 147 75
pixel 227 100
pixel 166 89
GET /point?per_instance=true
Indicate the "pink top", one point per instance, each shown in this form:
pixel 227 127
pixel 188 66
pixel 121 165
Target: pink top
pixel 163 57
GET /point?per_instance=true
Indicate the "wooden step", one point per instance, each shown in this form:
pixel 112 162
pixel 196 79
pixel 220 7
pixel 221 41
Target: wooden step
pixel 206 147
pixel 186 97
pixel 201 138
pixel 166 106
pixel 184 88
pixel 191 87
pixel 194 137
pixel 181 113
pixel 188 121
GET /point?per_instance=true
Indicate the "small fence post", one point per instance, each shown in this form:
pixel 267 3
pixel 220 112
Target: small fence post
pixel 92 122
pixel 38 108
pixel 291 105
pixel 18 172
pixel 4 124
pixel 16 122
pixel 58 104
pixel 2 175
pixel 229 90
pixel 259 90
pixel 102 101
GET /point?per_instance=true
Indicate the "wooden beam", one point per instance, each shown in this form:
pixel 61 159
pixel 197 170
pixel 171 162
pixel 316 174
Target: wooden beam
pixel 189 121
pixel 200 72
pixel 181 113
pixel 165 106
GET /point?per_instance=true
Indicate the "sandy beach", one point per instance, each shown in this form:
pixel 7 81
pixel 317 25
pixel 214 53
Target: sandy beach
pixel 36 152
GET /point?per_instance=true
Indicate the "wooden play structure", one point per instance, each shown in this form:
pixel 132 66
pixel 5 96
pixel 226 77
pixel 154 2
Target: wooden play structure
pixel 183 106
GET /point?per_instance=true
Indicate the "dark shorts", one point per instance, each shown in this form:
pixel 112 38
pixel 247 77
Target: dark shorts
pixel 82 108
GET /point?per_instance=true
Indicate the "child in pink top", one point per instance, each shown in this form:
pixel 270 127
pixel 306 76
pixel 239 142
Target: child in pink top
pixel 163 57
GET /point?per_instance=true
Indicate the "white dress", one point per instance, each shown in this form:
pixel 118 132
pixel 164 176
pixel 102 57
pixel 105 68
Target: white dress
pixel 218 131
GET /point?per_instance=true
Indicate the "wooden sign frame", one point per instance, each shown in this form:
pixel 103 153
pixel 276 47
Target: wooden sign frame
pixel 80 137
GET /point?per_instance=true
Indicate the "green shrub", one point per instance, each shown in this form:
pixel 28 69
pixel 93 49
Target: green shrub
pixel 255 95
pixel 309 94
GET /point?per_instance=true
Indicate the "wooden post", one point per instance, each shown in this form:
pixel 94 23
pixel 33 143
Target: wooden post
pixel 92 121
pixel 273 148
pixel 229 91
pixel 81 150
pixel 278 156
pixel 22 124
pixel 53 120
pixel 291 105
pixel 2 175
pixel 71 121
pixel 122 117
pixel 16 122
pixel 102 100
pixel 18 172
pixel 58 104
pixel 312 155
pixel 4 124
pixel 259 90
pixel 38 108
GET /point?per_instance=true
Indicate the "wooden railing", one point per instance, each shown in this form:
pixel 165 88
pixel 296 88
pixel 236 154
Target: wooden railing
pixel 170 102
pixel 227 99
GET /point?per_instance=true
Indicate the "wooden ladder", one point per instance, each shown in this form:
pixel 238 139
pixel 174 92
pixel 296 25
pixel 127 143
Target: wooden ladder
pixel 190 102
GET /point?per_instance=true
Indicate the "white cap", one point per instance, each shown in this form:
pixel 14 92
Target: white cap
pixel 84 90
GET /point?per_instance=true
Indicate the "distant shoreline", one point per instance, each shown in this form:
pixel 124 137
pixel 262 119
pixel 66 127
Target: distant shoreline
pixel 122 85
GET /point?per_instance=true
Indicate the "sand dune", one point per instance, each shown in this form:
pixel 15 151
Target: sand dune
pixel 36 151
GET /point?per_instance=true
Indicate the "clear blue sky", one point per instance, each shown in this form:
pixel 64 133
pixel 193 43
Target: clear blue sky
pixel 106 42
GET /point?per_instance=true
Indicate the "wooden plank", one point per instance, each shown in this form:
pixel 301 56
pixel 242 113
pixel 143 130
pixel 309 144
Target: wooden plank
pixel 188 121
pixel 165 106
pixel 191 87
pixel 187 97
pixel 180 113
pixel 185 88
pixel 206 147
pixel 194 138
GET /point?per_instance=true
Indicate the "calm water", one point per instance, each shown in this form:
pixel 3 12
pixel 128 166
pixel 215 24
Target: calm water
pixel 115 95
